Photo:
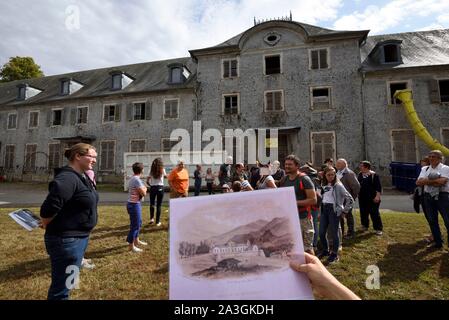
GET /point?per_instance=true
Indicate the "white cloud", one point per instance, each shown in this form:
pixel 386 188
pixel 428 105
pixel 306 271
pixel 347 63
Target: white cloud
pixel 115 32
pixel 393 14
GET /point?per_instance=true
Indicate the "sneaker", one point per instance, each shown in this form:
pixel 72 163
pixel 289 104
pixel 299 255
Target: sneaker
pixel 87 264
pixel 333 258
pixel 323 254
pixel 151 221
pixel 379 233
pixel 135 249
pixel 364 229
pixel 158 224
pixel 434 246
pixel 142 243
pixel 340 248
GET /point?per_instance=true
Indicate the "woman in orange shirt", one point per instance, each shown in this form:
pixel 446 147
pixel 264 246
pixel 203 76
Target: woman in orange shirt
pixel 178 180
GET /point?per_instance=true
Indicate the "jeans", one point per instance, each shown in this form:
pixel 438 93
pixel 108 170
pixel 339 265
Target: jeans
pixel 329 219
pixel 135 217
pixel 210 188
pixel 197 188
pixel 315 214
pixel 369 208
pixel 433 206
pixel 350 218
pixel 64 252
pixel 156 196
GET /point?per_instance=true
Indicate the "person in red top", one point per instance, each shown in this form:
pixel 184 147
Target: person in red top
pixel 178 179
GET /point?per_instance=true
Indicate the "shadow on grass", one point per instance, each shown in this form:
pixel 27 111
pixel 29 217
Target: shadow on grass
pixel 42 266
pixel 123 231
pixel 163 268
pixel 405 262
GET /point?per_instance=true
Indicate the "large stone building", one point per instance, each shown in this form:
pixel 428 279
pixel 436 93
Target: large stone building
pixel 328 92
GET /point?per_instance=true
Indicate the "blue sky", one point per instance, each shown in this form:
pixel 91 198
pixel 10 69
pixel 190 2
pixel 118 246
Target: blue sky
pixel 70 35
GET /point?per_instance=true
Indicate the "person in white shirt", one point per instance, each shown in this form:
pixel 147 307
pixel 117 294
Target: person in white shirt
pixel 156 182
pixel 435 179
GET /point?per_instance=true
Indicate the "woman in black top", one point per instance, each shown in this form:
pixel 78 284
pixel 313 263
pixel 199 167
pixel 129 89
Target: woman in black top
pixel 69 213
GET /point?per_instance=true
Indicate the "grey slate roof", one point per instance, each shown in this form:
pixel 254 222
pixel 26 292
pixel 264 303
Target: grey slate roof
pixel 148 76
pixel 418 49
pixel 312 31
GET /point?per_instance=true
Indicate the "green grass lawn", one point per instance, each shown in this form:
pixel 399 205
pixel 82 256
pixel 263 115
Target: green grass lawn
pixel 407 269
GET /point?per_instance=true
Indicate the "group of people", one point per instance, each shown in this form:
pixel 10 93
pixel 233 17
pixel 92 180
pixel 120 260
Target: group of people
pixel 324 196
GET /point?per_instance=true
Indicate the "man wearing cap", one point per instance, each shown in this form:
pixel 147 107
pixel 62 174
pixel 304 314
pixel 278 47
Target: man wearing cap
pixel 369 197
pixel 435 179
pixel 350 182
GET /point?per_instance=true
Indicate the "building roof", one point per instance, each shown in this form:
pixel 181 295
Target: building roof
pixel 418 49
pixel 312 33
pixel 148 76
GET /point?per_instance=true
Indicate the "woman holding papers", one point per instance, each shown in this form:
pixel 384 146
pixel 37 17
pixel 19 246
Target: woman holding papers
pixel 69 213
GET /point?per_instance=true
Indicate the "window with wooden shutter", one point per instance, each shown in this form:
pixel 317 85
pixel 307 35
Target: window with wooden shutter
pixel 9 156
pixel 56 117
pixel 231 104
pixel 12 121
pixel 81 116
pixel 274 101
pixel 111 113
pixel 171 109
pixel 107 155
pixel 318 59
pixel 33 120
pixel 54 155
pixel 30 157
pixel 167 144
pixel 321 99
pixel 230 68
pixel 139 111
pixel 403 145
pixel 323 146
pixel 434 91
pixel 137 145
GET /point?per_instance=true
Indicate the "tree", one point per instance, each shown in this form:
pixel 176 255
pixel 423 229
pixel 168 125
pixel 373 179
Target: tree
pixel 19 68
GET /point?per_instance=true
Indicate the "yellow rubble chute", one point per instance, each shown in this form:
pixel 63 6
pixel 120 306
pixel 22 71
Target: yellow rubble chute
pixel 405 96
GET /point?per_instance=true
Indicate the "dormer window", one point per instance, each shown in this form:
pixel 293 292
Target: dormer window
pixel 178 73
pixel 390 52
pixel 120 80
pixel 25 91
pixel 69 86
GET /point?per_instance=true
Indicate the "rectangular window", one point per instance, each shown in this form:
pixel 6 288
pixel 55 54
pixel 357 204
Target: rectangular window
pixel 230 68
pixel 117 81
pixel 403 146
pixel 110 113
pixel 137 146
pixel 391 53
pixel 274 100
pixel 12 121
pixel 139 111
pixel 81 115
pixel 272 64
pixel 175 76
pixel 30 157
pixel 56 117
pixel 54 155
pixel 323 146
pixel 318 59
pixel 393 87
pixel 168 144
pixel 9 156
pixel 33 121
pixel 231 104
pixel 321 99
pixel 65 87
pixel 444 90
pixel 22 93
pixel 171 109
pixel 107 155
